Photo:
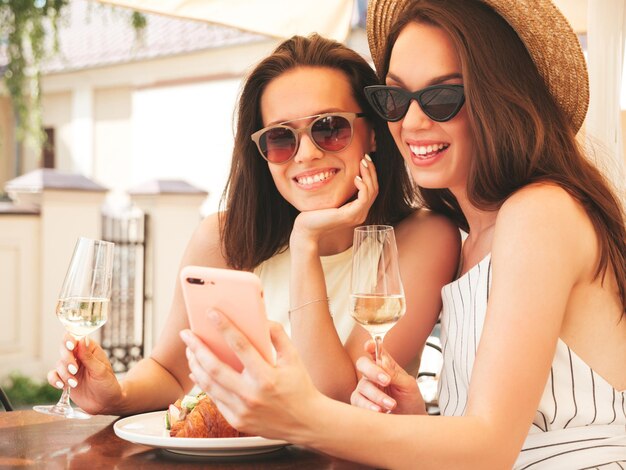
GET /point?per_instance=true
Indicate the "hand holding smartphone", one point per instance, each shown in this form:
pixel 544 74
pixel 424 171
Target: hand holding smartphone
pixel 236 294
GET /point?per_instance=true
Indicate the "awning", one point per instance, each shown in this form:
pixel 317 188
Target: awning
pixel 277 18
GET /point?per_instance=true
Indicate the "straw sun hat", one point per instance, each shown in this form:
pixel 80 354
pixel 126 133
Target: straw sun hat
pixel 548 36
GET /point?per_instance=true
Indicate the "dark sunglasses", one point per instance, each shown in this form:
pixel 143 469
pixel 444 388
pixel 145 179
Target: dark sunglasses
pixel 330 132
pixel 439 102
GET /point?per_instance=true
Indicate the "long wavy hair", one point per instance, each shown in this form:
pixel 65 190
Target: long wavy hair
pixel 521 135
pixel 255 220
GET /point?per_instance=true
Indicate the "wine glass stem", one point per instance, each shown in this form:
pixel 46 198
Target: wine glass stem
pixel 64 401
pixel 378 341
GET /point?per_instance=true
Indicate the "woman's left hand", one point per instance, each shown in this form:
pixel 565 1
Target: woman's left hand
pixel 272 401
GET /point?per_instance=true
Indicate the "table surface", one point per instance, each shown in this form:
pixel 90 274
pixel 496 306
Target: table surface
pixel 31 439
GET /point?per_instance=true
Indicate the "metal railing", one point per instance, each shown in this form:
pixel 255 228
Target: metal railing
pixel 123 334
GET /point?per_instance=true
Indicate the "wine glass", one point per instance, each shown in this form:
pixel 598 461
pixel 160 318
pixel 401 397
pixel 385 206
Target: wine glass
pixel 83 304
pixel 376 295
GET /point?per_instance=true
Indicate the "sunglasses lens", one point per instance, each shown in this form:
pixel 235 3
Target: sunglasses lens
pixel 391 104
pixel 332 133
pixel 441 104
pixel 278 144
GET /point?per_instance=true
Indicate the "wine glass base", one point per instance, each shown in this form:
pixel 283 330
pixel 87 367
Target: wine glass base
pixel 63 412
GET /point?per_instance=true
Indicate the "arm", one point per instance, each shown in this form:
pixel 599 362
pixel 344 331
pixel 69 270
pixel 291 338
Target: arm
pixel 98 391
pixel 312 329
pixel 543 245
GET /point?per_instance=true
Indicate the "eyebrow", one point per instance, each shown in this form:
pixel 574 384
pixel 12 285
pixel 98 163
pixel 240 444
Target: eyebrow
pixel 433 81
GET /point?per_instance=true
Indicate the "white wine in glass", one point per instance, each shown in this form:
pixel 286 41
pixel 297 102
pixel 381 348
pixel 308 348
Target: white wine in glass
pixel 377 296
pixel 83 304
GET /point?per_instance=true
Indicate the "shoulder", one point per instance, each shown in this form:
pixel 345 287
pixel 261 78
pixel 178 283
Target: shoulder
pixel 543 218
pixel 205 246
pixel 543 204
pixel 428 226
pixel 427 238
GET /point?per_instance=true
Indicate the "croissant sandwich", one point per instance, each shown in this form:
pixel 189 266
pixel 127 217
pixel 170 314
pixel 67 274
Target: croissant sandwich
pixel 198 417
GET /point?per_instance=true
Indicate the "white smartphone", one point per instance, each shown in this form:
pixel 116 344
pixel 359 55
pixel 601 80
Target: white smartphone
pixel 239 296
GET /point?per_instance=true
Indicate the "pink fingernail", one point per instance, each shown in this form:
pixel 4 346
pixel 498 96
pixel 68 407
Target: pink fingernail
pixel 383 378
pixel 389 403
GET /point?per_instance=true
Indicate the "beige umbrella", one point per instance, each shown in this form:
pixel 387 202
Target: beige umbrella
pixel 277 18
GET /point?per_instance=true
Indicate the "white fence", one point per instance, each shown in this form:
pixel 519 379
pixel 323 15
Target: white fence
pixel 37 236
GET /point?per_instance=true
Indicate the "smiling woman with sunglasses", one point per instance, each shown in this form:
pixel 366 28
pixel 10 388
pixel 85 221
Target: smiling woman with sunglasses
pixel 311 161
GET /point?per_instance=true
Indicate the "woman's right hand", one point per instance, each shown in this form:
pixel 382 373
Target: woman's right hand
pixel 87 370
pixel 312 224
pixel 386 386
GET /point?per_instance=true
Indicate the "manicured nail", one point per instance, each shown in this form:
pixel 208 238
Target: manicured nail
pixel 59 384
pixel 185 336
pixel 368 157
pixel 375 408
pixel 72 369
pixel 69 345
pixel 364 163
pixel 73 383
pixel 214 317
pixel 358 178
pixel 383 378
pixel 389 403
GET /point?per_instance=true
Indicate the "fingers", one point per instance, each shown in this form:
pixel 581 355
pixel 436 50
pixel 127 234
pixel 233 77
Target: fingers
pixel 206 369
pixel 367 395
pixel 54 379
pixel 285 349
pixel 248 355
pixel 369 176
pixel 372 371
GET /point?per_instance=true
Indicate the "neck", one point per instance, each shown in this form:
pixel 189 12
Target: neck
pixel 479 220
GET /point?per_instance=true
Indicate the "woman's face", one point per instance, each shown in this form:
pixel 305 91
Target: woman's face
pixel 315 179
pixel 437 153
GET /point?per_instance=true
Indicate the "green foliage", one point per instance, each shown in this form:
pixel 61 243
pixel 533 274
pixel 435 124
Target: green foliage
pixel 23 24
pixel 23 27
pixel 22 390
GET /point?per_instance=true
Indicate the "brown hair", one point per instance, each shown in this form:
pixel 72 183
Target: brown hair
pixel 257 220
pixel 521 135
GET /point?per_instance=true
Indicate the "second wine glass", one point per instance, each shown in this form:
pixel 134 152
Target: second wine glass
pixel 376 296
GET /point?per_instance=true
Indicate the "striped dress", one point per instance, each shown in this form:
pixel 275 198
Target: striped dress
pixel 581 419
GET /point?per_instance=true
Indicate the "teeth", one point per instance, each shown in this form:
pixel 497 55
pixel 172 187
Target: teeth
pixel 423 150
pixel 316 178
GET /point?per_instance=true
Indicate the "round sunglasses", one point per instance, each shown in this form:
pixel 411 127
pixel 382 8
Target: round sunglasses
pixel 329 132
pixel 439 102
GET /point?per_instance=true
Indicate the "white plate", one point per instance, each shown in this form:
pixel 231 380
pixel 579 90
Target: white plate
pixel 149 429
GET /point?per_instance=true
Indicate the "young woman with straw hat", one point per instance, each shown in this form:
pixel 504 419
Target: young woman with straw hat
pixel 311 161
pixel 484 99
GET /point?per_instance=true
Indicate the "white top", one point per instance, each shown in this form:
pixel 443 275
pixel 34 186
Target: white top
pixel 581 419
pixel 274 274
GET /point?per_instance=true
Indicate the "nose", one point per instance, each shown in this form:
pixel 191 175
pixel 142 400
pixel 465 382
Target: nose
pixel 415 118
pixel 307 150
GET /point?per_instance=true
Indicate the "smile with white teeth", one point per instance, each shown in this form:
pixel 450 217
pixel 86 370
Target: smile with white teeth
pixel 427 151
pixel 315 178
